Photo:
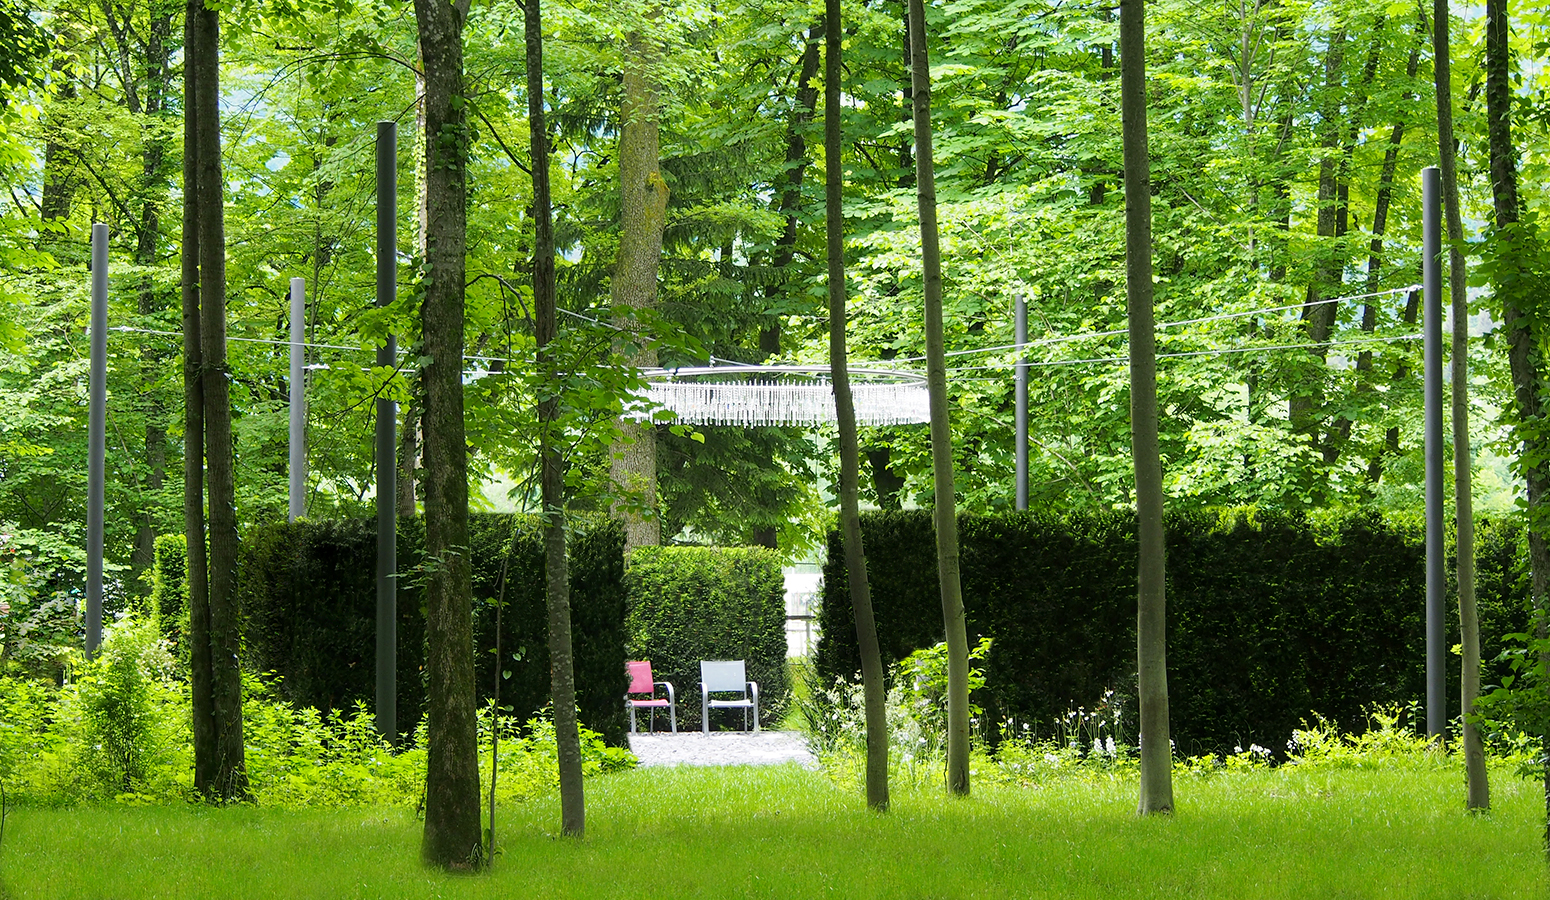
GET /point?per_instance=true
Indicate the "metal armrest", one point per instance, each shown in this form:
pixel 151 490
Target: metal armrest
pixel 753 687
pixel 670 698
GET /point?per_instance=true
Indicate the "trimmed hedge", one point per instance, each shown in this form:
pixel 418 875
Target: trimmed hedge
pixel 308 595
pixel 693 603
pixel 1270 616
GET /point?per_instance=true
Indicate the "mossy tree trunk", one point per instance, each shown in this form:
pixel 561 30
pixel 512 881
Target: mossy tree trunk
pixel 451 839
pixel 642 218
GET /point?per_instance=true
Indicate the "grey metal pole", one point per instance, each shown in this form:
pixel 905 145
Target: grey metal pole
pixel 96 436
pixel 298 464
pixel 1022 402
pixel 387 428
pixel 1431 281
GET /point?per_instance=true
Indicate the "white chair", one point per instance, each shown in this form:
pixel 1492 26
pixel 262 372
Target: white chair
pixel 727 676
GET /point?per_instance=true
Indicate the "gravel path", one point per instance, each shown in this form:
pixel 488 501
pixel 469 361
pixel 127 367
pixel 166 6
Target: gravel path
pixel 722 748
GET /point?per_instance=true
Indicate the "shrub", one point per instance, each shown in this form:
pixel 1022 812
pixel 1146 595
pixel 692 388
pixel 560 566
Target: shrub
pixel 126 707
pixel 688 604
pixel 169 593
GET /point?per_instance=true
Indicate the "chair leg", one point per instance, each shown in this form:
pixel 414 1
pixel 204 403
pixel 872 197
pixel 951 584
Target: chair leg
pixel 672 716
pixel 632 718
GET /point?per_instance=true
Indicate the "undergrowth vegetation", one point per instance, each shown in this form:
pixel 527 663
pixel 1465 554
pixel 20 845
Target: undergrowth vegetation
pixel 1093 744
pixel 119 730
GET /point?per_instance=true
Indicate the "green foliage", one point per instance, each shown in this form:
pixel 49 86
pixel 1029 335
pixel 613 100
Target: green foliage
pixel 169 593
pixel 40 631
pixel 1271 616
pixel 129 721
pixel 688 604
pixel 1518 707
pixel 308 592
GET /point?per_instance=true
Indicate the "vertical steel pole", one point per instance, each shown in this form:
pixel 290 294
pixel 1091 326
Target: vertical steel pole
pixel 298 465
pixel 1022 401
pixel 387 428
pixel 1431 281
pixel 96 435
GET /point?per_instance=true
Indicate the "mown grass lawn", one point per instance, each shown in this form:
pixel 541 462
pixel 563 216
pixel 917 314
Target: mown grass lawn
pixel 785 832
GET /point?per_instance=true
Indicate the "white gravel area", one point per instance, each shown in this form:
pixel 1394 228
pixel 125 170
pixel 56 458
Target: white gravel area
pixel 722 748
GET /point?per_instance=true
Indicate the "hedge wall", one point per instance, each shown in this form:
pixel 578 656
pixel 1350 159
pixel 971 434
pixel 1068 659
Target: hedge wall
pixel 694 603
pixel 169 592
pixel 1270 617
pixel 308 595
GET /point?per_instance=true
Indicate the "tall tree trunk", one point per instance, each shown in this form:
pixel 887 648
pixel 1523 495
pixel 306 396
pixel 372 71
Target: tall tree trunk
pixel 1523 332
pixel 1151 601
pixel 873 689
pixel 1319 316
pixel 945 511
pixel 562 675
pixel 796 168
pixel 153 186
pixel 642 218
pixel 201 699
pixel 230 772
pixel 451 838
pixel 1476 779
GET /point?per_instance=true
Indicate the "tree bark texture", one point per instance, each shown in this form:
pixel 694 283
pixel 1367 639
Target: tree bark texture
pixel 1477 783
pixel 873 689
pixel 944 512
pixel 1151 600
pixel 451 839
pixel 642 218
pixel 562 673
pixel 225 686
pixel 1523 332
pixel 202 699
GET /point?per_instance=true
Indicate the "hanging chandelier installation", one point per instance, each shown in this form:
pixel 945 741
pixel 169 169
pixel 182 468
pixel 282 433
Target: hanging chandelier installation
pixel 781 395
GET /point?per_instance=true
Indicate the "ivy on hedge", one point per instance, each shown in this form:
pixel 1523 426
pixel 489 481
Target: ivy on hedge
pixel 694 603
pixel 1271 616
pixel 308 596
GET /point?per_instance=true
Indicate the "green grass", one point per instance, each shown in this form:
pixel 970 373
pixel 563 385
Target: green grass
pixel 785 832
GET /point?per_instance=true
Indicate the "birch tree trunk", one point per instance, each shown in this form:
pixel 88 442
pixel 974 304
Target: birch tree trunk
pixel 1151 601
pixel 1478 787
pixel 845 410
pixel 944 510
pixel 451 838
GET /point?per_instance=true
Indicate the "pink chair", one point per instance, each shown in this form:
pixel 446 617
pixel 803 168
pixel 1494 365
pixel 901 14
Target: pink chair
pixel 641 683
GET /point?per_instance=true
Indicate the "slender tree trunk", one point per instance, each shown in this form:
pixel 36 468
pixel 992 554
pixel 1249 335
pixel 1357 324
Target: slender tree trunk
pixel 153 187
pixel 642 218
pixel 451 838
pixel 1151 605
pixel 562 675
pixel 850 447
pixel 945 507
pixel 1319 316
pixel 225 630
pixel 202 698
pixel 1523 333
pixel 1476 779
pixel 796 168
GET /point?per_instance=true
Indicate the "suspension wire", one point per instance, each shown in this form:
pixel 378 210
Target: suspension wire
pixel 1093 335
pixel 1217 352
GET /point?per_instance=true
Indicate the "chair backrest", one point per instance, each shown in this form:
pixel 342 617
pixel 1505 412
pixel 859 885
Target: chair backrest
pixel 640 677
pixel 724 675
